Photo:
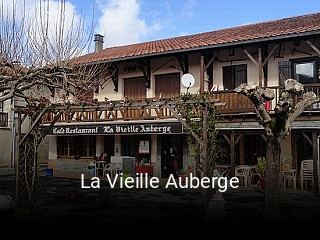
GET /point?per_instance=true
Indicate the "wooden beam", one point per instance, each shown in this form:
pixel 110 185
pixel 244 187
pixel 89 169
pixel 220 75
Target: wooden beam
pixel 50 127
pixel 315 162
pixel 270 54
pixel 250 57
pixel 313 47
pixel 307 138
pixel 260 69
pixel 201 74
pixel 215 54
pixel 183 122
pixel 146 70
pixel 238 139
pixel 184 63
pixel 264 137
pixel 227 139
pixel 38 119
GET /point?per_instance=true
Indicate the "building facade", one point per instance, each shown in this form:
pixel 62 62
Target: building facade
pixel 265 54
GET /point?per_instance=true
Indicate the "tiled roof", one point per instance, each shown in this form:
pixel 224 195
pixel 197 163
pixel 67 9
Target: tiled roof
pixel 286 26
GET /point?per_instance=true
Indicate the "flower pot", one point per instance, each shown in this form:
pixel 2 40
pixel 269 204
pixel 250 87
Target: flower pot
pixel 262 182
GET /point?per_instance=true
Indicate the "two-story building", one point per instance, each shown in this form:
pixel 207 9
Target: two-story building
pixel 265 53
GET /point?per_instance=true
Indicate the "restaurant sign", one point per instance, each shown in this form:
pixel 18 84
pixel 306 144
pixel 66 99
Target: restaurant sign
pixel 114 129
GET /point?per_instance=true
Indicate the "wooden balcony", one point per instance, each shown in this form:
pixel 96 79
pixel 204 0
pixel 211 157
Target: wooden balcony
pixel 236 104
pixel 3 119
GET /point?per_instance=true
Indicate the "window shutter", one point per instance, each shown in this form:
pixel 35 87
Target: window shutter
pixel 284 71
pixel 227 77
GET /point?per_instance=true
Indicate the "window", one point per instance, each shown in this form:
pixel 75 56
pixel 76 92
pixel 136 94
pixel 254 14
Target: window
pixel 1 106
pixel 234 75
pixel 168 85
pixel 87 146
pixel 305 72
pixel 80 146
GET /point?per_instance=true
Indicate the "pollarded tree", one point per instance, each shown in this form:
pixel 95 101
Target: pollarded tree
pixel 38 40
pixel 277 127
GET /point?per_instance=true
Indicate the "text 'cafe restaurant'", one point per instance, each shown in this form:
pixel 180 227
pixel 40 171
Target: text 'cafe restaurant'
pixel 159 145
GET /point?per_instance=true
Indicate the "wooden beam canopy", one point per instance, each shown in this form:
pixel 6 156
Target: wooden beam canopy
pixel 146 70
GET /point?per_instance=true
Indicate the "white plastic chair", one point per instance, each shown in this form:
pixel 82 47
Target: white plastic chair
pixel 99 165
pixel 306 172
pixel 110 169
pixel 244 172
pixel 289 176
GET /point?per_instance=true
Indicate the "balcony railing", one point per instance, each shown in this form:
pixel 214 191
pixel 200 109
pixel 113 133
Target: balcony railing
pixel 3 119
pixel 236 103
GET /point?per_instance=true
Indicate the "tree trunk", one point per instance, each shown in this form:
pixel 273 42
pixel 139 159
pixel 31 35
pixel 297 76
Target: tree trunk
pixel 272 190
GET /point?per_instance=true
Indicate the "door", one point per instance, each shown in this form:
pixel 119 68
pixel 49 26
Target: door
pixel 171 154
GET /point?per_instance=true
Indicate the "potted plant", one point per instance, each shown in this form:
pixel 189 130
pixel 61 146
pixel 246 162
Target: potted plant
pixel 261 169
pixel 182 175
pixel 285 163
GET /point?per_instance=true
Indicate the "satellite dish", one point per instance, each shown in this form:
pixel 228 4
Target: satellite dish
pixel 187 80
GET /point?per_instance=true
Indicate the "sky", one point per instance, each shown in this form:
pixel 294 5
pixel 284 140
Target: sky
pixel 131 21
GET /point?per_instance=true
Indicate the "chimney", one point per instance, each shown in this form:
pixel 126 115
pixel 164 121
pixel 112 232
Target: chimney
pixel 98 39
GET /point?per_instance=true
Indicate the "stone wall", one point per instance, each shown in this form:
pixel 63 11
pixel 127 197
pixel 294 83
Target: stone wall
pixel 70 165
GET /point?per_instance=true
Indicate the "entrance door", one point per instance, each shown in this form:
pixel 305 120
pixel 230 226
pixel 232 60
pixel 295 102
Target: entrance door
pixel 109 145
pixel 171 154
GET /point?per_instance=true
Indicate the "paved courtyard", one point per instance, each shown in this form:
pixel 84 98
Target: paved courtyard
pixel 62 200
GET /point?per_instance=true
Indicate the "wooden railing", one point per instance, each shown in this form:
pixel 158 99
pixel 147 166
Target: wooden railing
pixel 3 119
pixel 236 104
pixel 111 115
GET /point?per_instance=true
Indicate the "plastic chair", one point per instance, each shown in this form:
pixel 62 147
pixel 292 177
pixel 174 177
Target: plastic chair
pixel 99 166
pixel 306 172
pixel 245 173
pixel 110 169
pixel 289 176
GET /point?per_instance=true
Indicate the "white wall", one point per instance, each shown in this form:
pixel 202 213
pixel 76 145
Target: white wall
pixel 158 66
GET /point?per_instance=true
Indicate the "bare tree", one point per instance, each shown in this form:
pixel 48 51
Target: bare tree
pixel 277 128
pixel 37 45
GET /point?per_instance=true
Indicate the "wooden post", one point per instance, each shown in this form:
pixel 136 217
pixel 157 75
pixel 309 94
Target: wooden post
pixel 242 151
pixel 232 145
pixel 260 66
pixel 17 161
pixel 315 161
pixel 202 73
pixel 205 141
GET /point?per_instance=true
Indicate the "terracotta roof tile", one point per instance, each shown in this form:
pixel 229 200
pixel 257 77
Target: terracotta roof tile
pixel 286 26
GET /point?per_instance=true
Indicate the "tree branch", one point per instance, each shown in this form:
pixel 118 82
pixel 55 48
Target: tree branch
pixel 258 97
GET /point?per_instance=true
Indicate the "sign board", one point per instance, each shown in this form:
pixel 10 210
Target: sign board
pixel 116 129
pixel 144 147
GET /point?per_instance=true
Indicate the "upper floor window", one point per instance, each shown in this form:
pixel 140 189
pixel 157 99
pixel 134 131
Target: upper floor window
pixel 168 85
pixel 305 71
pixel 1 106
pixel 234 75
pixel 135 88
